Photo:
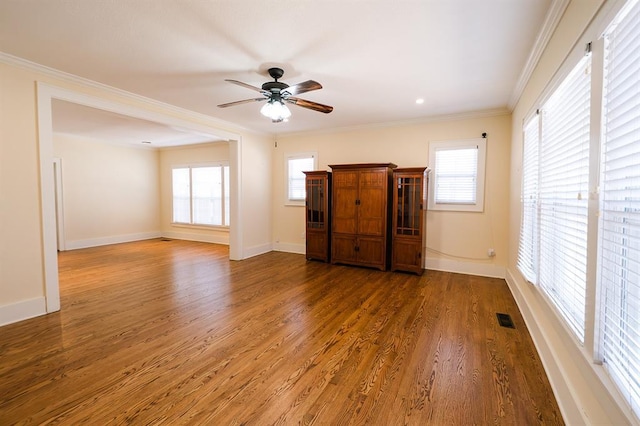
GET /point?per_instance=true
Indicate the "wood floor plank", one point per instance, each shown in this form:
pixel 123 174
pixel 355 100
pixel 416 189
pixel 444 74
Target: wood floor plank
pixel 172 332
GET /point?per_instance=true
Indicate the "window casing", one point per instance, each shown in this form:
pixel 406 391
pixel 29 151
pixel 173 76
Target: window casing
pixel 295 165
pixel 201 195
pixel 457 183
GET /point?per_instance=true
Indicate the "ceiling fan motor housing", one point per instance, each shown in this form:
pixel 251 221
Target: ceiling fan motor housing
pixel 275 86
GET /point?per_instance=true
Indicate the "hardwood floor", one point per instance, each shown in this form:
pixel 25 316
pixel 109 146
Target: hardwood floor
pixel 171 332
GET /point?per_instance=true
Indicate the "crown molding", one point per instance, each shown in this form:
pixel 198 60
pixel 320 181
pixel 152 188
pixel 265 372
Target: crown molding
pixel 404 123
pixel 549 26
pixel 85 82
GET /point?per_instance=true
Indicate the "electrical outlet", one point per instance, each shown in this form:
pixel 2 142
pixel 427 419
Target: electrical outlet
pixel 491 252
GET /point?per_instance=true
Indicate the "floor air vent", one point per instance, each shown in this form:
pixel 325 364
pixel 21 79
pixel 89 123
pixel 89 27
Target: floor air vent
pixel 505 320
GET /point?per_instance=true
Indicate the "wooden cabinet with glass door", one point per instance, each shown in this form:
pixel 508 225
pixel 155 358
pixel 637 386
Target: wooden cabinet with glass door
pixel 409 206
pixel 317 212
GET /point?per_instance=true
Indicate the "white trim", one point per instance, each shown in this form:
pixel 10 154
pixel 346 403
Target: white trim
pixel 448 145
pixel 114 239
pixel 469 268
pixel 581 387
pixel 71 78
pixel 551 21
pixel 47 197
pixel 404 123
pixel 22 310
pixel 60 232
pixel 202 238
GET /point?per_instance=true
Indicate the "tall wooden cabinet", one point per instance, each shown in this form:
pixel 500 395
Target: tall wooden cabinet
pixel 318 215
pixel 361 214
pixel 408 231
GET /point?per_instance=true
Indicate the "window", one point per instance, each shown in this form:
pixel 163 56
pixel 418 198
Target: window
pixel 563 195
pixel 295 178
pixel 571 156
pixel 552 252
pixel 201 195
pixel 619 225
pixel 458 175
pixel 528 247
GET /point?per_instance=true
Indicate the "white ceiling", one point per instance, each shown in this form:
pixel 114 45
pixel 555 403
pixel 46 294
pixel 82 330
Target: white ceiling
pixel 91 123
pixel 374 58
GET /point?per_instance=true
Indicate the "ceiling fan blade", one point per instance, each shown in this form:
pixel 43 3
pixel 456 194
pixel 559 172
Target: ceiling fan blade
pixel 309 104
pixel 305 86
pixel 245 101
pixel 248 86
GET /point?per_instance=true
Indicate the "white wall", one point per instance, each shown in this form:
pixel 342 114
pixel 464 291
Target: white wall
pixel 456 241
pixel 21 264
pixel 111 193
pixel 257 198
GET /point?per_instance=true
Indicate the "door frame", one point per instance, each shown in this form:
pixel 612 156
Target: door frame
pixel 134 106
pixel 57 179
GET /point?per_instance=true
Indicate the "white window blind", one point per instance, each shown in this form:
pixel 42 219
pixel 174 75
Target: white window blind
pixel 528 246
pixel 181 183
pixel 619 227
pixel 206 195
pixel 458 174
pixel 201 195
pixel 563 196
pixel 295 176
pixel 456 171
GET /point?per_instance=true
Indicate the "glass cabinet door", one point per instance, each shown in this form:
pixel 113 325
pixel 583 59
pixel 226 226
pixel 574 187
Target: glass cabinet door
pixel 409 205
pixel 315 203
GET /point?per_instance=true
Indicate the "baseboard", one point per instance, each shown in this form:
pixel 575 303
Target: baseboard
pixel 22 310
pixel 469 268
pixel 584 392
pixel 290 248
pixel 116 239
pixel 202 238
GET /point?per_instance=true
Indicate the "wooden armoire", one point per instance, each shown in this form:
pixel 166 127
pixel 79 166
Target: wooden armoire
pixel 408 230
pixel 318 215
pixel 361 214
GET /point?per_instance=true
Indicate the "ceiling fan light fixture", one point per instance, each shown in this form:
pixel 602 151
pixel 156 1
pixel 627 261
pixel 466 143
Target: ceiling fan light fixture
pixel 276 110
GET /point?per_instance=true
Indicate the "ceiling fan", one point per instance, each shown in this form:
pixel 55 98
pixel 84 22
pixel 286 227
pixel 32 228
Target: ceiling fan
pixel 277 93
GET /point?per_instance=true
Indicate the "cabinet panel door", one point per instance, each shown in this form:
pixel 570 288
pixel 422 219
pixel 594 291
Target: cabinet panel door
pixel 407 255
pixel 372 208
pixel 343 249
pixel 371 252
pixel 317 245
pixel 345 193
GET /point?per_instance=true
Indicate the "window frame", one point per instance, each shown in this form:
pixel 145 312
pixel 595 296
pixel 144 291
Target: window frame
pixel 225 197
pixel 434 146
pixel 296 156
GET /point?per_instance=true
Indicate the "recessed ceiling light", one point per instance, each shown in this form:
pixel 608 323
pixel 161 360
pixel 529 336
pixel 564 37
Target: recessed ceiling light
pixel 147 142
pixel 419 101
